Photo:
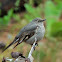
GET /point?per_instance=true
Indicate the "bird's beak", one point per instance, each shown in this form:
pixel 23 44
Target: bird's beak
pixel 43 19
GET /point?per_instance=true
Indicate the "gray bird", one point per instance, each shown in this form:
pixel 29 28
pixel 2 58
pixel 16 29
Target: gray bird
pixel 34 29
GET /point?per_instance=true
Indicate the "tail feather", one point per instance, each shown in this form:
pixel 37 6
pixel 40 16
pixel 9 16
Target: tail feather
pixel 15 40
pixel 19 43
pixel 10 45
pixel 16 45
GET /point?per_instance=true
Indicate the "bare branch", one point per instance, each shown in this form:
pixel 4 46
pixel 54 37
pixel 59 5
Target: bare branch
pixel 29 59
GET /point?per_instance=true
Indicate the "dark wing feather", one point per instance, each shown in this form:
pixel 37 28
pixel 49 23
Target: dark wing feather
pixel 29 27
pixel 26 37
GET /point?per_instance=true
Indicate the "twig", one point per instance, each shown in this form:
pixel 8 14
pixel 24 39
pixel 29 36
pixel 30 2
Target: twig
pixel 7 59
pixel 29 59
pixel 31 51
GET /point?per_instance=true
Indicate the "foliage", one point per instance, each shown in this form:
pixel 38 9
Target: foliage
pixel 17 4
pixel 5 20
pixel 32 12
pixel 16 17
pixel 38 1
pixel 52 13
pixel 58 1
pixel 39 55
pixel 57 29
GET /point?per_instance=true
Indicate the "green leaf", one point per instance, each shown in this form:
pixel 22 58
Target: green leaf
pixel 32 12
pixel 10 13
pixel 51 9
pixel 56 29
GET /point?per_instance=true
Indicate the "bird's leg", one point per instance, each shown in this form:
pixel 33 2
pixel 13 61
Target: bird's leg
pixel 35 43
pixel 31 51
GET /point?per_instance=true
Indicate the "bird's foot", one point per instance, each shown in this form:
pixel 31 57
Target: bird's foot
pixel 36 44
pixel 34 48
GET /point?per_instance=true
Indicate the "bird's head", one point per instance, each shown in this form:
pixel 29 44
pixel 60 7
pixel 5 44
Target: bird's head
pixel 38 20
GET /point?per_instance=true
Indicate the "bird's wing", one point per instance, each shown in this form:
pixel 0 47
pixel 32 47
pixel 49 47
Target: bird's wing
pixel 25 37
pixel 27 32
pixel 27 28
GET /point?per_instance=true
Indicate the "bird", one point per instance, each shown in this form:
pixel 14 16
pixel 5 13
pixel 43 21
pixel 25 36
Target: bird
pixel 35 29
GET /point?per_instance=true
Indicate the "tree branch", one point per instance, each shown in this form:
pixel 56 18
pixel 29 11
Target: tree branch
pixel 29 59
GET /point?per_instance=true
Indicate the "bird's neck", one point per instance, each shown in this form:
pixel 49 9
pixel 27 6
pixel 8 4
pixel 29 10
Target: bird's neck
pixel 40 24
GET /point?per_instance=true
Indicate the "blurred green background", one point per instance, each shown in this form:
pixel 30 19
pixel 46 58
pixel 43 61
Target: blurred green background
pixel 20 14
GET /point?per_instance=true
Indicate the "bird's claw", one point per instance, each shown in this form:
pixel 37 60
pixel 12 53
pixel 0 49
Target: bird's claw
pixel 36 44
pixel 34 48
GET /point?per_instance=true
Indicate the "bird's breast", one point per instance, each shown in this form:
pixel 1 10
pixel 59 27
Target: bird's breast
pixel 39 34
pixel 40 31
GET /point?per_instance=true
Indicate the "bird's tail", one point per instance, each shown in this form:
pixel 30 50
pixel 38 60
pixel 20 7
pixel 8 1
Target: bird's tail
pixel 10 44
pixel 16 45
pixel 19 42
